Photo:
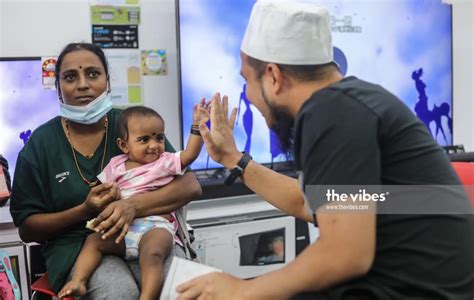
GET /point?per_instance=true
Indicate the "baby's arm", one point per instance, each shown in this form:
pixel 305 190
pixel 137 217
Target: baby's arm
pixel 194 146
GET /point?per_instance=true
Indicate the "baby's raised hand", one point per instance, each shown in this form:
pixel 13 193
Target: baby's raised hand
pixel 201 112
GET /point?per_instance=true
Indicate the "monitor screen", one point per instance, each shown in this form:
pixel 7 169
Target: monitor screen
pixel 24 104
pixel 262 248
pixel 403 45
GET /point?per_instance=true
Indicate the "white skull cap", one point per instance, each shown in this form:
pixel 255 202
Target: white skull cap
pixel 288 32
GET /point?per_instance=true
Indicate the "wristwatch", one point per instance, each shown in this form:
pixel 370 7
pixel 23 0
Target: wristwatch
pixel 238 170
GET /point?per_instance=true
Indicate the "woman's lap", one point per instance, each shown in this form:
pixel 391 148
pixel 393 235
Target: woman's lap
pixel 116 278
pixel 112 280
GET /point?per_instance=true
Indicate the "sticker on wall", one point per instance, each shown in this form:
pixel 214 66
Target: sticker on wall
pixel 154 62
pixel 115 36
pixel 115 15
pixel 48 66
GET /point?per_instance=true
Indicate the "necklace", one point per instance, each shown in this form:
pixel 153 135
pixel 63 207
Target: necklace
pixel 68 135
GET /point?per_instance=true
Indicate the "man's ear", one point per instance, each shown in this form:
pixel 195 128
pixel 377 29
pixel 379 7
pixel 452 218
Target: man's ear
pixel 276 76
pixel 122 144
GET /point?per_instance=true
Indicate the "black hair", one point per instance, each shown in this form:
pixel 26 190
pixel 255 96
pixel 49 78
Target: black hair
pixel 299 72
pixel 134 111
pixel 76 47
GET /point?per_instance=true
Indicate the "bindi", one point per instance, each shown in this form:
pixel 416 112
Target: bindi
pixel 80 67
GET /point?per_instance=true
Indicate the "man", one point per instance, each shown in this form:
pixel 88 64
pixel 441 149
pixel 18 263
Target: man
pixel 347 132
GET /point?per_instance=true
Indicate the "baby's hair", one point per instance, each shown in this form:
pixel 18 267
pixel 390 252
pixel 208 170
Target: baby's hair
pixel 134 111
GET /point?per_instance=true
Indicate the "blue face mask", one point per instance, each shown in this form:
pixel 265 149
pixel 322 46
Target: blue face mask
pixel 88 114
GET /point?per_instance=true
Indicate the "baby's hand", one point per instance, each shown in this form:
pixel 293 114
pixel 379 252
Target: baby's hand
pixel 201 112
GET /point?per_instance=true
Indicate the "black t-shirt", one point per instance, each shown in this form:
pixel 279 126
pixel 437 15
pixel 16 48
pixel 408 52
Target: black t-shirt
pixel 357 133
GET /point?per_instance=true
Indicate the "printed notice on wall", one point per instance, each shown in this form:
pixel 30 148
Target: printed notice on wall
pixel 115 36
pixel 125 77
pixel 114 2
pixel 115 15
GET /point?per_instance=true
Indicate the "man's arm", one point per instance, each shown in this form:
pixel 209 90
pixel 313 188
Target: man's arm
pixel 345 250
pixel 280 190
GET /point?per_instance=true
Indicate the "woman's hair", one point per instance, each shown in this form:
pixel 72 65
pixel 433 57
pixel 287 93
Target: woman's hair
pixel 134 111
pixel 81 46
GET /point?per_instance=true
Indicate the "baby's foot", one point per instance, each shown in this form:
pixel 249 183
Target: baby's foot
pixel 73 288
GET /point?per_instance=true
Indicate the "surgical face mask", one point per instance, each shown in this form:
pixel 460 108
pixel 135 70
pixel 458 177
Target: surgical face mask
pixel 87 114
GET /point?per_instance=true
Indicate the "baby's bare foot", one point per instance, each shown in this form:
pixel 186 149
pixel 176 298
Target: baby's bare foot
pixel 73 288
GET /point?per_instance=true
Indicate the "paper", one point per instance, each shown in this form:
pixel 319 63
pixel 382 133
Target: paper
pixel 115 15
pixel 114 2
pixel 125 77
pixel 115 36
pixel 182 270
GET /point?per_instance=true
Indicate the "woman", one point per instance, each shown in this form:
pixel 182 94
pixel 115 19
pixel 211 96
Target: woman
pixel 55 190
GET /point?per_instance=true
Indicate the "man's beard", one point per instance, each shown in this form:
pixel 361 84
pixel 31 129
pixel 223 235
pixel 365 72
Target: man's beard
pixel 282 126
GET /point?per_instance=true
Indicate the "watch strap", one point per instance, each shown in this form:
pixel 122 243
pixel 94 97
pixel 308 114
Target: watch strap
pixel 238 170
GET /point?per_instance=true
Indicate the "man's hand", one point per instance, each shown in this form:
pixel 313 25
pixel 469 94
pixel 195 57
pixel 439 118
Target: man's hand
pixel 212 286
pixel 115 219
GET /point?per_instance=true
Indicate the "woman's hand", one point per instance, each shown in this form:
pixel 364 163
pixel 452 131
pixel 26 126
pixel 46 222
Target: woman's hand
pixel 219 140
pixel 115 219
pixel 100 196
pixel 212 286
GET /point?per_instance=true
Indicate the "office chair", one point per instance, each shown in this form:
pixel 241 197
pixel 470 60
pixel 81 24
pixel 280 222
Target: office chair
pixel 42 286
pixel 465 171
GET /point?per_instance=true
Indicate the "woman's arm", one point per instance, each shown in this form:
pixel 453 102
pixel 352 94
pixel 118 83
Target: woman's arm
pixel 42 227
pixel 170 197
pixel 120 214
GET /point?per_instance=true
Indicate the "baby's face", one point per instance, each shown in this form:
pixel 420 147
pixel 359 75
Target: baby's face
pixel 146 139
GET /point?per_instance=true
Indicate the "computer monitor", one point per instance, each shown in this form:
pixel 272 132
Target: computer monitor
pixel 248 247
pixel 24 104
pixel 262 248
pixel 403 45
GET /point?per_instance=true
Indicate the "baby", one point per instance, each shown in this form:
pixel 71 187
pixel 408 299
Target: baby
pixel 143 167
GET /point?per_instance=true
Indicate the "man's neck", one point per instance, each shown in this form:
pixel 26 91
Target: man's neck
pixel 302 91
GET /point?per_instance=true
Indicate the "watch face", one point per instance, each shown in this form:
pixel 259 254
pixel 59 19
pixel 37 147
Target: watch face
pixel 237 170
